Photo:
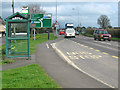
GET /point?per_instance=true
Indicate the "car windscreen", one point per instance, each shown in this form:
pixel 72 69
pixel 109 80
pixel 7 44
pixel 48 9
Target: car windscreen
pixel 70 27
pixel 103 32
pixel 70 31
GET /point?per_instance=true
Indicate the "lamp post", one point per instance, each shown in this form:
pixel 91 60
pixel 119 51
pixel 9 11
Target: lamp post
pixel 56 17
pixel 78 14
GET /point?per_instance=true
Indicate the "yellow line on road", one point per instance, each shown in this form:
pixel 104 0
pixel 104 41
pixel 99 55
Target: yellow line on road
pixel 68 53
pixel 91 48
pixel 115 57
pixel 82 45
pixel 75 66
pixel 105 53
pixel 85 46
pixel 97 50
pixel 82 57
pixel 73 53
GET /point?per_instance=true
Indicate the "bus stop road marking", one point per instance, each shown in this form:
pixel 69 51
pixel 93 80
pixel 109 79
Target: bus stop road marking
pixel 75 66
pixel 97 50
pixel 82 57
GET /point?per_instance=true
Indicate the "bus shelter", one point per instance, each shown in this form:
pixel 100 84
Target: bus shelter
pixel 17 36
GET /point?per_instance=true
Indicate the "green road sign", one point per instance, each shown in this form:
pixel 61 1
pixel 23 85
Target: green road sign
pixel 41 20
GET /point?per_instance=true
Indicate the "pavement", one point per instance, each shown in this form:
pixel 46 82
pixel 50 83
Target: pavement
pixel 19 62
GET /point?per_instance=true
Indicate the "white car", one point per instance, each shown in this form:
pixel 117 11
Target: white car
pixel 69 32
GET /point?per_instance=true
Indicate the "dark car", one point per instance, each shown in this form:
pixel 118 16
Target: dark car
pixel 102 34
pixel 76 33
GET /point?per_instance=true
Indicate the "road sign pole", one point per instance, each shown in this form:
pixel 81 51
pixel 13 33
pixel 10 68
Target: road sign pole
pixel 34 33
pixel 48 34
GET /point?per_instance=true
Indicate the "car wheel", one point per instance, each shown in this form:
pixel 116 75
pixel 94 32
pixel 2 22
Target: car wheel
pixel 104 39
pixel 94 38
pixel 109 39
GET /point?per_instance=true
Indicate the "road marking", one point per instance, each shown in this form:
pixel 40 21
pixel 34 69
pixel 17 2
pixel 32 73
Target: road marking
pixel 91 48
pixel 115 57
pixel 105 53
pixel 71 63
pixel 82 57
pixel 68 53
pixel 85 46
pixel 97 50
pixel 73 53
pixel 90 53
pixel 47 45
pixel 82 45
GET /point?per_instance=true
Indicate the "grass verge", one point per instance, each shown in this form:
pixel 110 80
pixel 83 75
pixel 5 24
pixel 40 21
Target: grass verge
pixel 21 45
pixel 30 76
pixel 6 61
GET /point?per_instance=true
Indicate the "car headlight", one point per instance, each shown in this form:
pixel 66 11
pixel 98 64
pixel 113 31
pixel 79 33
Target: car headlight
pixel 110 35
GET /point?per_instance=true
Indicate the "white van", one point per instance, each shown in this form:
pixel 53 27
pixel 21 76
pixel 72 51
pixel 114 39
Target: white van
pixel 69 31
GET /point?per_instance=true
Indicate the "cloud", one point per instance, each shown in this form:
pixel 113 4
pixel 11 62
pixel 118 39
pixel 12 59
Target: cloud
pixel 88 11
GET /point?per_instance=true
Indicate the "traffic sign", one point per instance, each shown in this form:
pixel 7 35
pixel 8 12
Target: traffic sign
pixel 41 20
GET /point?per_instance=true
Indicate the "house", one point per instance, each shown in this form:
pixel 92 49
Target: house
pixel 2 27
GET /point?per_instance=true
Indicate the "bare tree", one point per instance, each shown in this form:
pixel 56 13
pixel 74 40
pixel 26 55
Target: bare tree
pixel 36 9
pixel 103 21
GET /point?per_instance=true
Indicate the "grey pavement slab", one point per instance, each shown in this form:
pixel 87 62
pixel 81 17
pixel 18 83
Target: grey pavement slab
pixel 19 62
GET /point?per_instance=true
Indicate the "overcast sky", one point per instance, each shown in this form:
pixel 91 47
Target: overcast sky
pixel 88 11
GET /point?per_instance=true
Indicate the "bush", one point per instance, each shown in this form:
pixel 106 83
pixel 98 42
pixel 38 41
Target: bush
pixel 114 32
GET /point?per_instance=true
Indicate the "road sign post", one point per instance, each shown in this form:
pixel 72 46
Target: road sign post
pixel 34 33
pixel 41 20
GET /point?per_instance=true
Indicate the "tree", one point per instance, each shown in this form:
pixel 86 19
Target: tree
pixel 36 9
pixel 103 21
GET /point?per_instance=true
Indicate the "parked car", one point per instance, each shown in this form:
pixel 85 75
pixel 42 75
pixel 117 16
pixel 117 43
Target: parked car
pixel 61 32
pixel 76 33
pixel 102 34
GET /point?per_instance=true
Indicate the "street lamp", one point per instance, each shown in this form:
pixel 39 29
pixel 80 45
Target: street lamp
pixel 78 14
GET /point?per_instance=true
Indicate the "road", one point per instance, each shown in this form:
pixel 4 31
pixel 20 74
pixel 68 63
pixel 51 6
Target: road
pixel 97 59
pixel 62 72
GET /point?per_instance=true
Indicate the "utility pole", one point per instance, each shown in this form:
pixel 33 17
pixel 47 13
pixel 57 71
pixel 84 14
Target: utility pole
pixel 78 18
pixel 13 13
pixel 56 17
pixel 13 6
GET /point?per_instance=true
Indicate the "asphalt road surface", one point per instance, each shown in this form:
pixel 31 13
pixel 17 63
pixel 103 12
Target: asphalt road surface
pixel 77 65
pixel 98 59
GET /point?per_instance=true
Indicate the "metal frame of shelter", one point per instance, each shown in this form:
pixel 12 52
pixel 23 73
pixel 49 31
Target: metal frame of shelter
pixel 20 19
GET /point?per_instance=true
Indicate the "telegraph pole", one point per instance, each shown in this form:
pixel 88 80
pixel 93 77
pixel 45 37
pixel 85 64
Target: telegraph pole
pixel 56 16
pixel 13 13
pixel 13 6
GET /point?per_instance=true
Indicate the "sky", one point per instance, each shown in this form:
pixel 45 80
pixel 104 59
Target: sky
pixel 84 13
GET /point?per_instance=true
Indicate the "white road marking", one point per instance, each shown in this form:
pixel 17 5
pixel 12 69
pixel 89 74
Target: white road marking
pixel 71 63
pixel 47 45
